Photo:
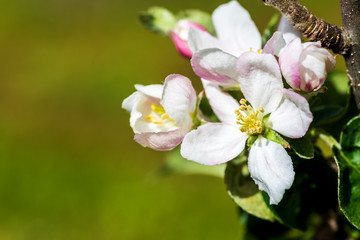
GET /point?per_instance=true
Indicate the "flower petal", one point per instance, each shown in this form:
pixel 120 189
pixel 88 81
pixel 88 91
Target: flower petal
pixel 293 117
pixel 181 45
pixel 222 103
pixel 130 104
pixel 235 28
pixel 289 32
pixel 161 141
pixel 289 61
pixel 153 90
pixel 215 65
pixel 271 168
pixel 199 40
pixel 179 99
pixel 213 143
pixel 260 80
pixel 316 63
pixel 275 44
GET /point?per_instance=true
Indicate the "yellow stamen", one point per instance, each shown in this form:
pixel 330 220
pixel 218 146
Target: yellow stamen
pixel 164 116
pixel 157 121
pixel 243 101
pixel 250 121
pixel 158 115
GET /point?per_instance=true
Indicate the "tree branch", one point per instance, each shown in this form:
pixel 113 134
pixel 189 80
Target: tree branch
pixel 350 11
pixel 315 29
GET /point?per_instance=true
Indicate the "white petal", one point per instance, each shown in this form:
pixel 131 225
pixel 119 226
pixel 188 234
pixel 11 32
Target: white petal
pixel 271 168
pixel 293 117
pixel 199 40
pixel 129 102
pixel 179 99
pixel 131 105
pixel 275 44
pixel 286 27
pixel 235 28
pixel 153 90
pixel 161 141
pixel 260 80
pixel 213 143
pixel 222 103
pixel 215 65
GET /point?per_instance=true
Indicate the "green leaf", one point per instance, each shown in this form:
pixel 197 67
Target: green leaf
pixel 244 191
pixel 302 147
pixel 199 17
pixel 158 19
pixel 313 190
pixel 273 136
pixel 176 164
pixel 326 113
pixel 350 136
pixel 270 29
pixel 348 160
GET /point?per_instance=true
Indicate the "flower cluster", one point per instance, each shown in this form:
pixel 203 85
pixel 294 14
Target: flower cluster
pixel 164 116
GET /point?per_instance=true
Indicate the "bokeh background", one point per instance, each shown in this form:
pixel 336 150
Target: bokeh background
pixel 69 168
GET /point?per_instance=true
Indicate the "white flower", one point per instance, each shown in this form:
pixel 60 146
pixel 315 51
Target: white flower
pixel 235 31
pixel 287 113
pixel 162 115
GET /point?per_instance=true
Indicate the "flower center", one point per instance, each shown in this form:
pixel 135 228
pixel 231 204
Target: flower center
pixel 158 115
pixel 249 120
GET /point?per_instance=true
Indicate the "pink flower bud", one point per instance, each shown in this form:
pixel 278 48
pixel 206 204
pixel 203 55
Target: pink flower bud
pixel 305 66
pixel 180 36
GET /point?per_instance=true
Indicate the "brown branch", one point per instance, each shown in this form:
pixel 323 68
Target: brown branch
pixel 315 29
pixel 350 10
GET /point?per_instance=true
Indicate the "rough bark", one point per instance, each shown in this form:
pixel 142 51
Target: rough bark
pixel 350 10
pixel 315 29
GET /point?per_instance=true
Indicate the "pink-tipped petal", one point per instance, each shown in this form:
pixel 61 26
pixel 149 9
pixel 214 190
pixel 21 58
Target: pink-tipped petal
pixel 181 45
pixel 213 143
pixel 293 116
pixel 260 80
pixel 161 141
pixel 289 61
pixel 180 36
pixel 235 28
pixel 315 64
pixel 179 99
pixel 275 44
pixel 271 168
pixel 222 103
pixel 215 65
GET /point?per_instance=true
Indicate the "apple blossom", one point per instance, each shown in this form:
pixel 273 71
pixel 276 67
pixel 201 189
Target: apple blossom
pixel 305 66
pixel 268 106
pixel 180 35
pixel 235 31
pixel 161 115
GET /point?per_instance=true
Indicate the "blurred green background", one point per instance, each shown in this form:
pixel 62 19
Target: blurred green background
pixel 69 168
